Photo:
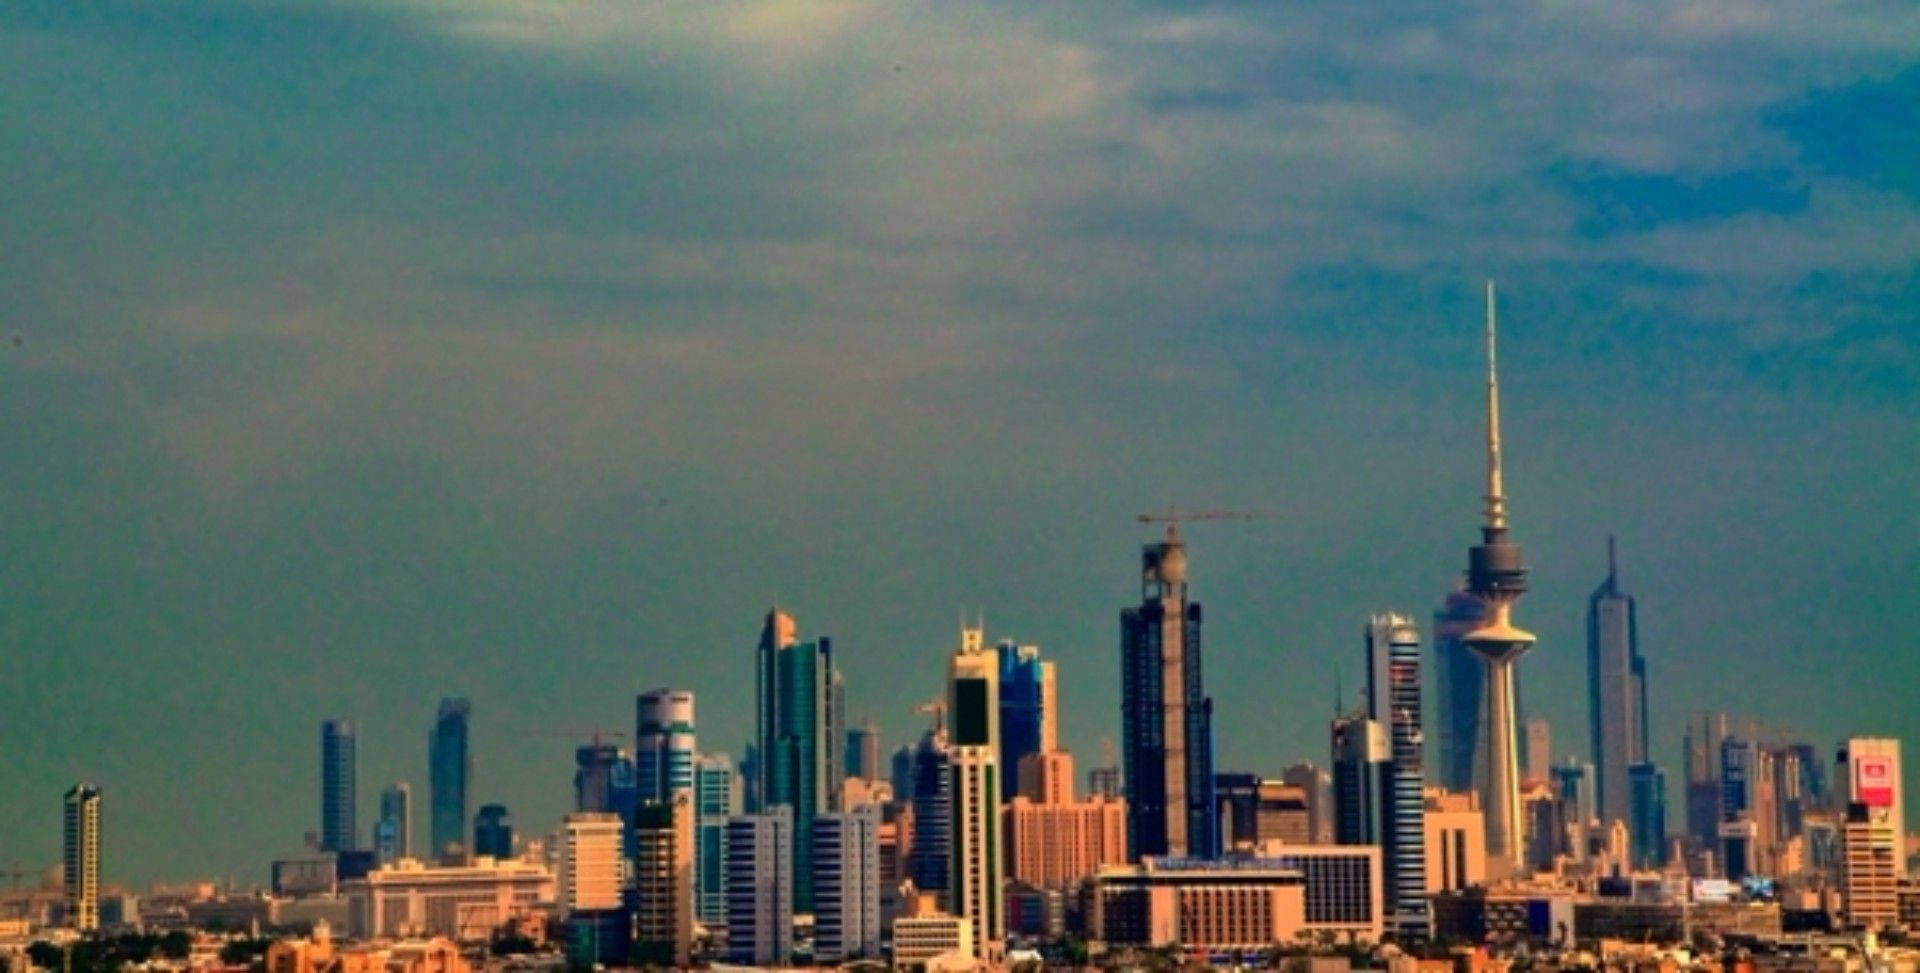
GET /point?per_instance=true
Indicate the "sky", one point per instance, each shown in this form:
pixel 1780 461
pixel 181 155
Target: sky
pixel 357 354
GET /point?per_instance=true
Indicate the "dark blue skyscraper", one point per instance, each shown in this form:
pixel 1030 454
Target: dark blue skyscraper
pixel 1026 720
pixel 1647 830
pixel 932 814
pixel 799 743
pixel 493 832
pixel 1166 719
pixel 449 774
pixel 339 787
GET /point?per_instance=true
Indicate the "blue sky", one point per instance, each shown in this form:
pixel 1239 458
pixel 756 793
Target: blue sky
pixel 373 352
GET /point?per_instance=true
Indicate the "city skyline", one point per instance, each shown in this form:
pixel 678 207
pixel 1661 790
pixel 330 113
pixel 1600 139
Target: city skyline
pixel 517 359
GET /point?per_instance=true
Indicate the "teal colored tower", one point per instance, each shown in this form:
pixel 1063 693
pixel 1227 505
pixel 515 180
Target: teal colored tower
pixel 798 738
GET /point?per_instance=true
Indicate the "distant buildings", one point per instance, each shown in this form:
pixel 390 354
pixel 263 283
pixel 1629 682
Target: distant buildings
pixel 80 857
pixel 393 832
pixel 1239 904
pixel 1456 841
pixel 1393 698
pixel 1459 680
pixel 493 831
pixel 1616 693
pixel 1872 835
pixel 339 787
pixel 449 773
pixel 1166 717
pixel 664 744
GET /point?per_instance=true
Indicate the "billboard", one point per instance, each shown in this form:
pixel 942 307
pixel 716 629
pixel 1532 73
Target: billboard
pixel 1873 777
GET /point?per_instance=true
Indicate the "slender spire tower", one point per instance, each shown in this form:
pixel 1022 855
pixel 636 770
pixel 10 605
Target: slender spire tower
pixel 1497 577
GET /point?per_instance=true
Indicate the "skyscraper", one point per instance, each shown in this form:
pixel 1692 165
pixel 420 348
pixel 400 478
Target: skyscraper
pixel 1166 719
pixel 393 833
pixel 1705 731
pixel 339 790
pixel 1648 823
pixel 449 774
pixel 716 791
pixel 796 742
pixel 1616 692
pixel 493 832
pixel 1460 685
pixel 1393 694
pixel 1362 779
pixel 1497 576
pixel 1871 837
pixel 663 744
pixel 932 845
pixel 973 776
pixel 80 857
pixel 863 752
pixel 590 851
pixel 1027 708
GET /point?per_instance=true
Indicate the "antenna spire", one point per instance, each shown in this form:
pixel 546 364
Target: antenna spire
pixel 1496 491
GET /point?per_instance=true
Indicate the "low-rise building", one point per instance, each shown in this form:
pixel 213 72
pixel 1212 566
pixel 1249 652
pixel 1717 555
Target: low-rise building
pixel 466 903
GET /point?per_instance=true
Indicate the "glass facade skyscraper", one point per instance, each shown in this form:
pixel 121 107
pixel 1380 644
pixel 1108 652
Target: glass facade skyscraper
pixel 393 832
pixel 449 773
pixel 1166 717
pixel 663 744
pixel 799 738
pixel 339 787
pixel 1027 717
pixel 493 832
pixel 1459 679
pixel 716 798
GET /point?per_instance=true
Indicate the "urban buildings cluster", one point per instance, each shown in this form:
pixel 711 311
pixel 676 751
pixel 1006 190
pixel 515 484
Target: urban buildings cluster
pixel 973 841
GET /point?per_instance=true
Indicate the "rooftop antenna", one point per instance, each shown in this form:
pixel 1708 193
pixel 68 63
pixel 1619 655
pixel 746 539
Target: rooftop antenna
pixel 1496 491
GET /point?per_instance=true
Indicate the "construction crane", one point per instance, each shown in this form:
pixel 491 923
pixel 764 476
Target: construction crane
pixel 1172 517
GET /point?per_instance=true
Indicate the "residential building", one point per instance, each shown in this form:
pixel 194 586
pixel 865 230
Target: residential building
pixel 80 857
pixel 760 884
pixel 846 883
pixel 663 881
pixel 1456 841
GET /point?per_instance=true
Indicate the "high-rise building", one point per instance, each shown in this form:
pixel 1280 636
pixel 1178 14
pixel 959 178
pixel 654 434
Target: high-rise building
pixel 80 857
pixel 716 799
pixel 973 778
pixel 1873 781
pixel 393 833
pixel 1393 696
pixel 846 884
pixel 1647 824
pixel 1254 811
pixel 932 845
pixel 593 776
pixel 493 832
pixel 1705 731
pixel 590 853
pixel 1739 833
pixel 1872 834
pixel 339 789
pixel 663 744
pixel 798 747
pixel 1616 692
pixel 1456 841
pixel 1166 717
pixel 1497 576
pixel 863 752
pixel 1539 748
pixel 1459 683
pixel 663 891
pixel 449 775
pixel 1362 779
pixel 1575 811
pixel 760 887
pixel 1027 708
pixel 1316 786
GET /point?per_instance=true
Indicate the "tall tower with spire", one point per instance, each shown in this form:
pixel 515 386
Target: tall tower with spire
pixel 1497 576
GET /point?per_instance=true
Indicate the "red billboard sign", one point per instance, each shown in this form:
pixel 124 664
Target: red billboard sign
pixel 1873 780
